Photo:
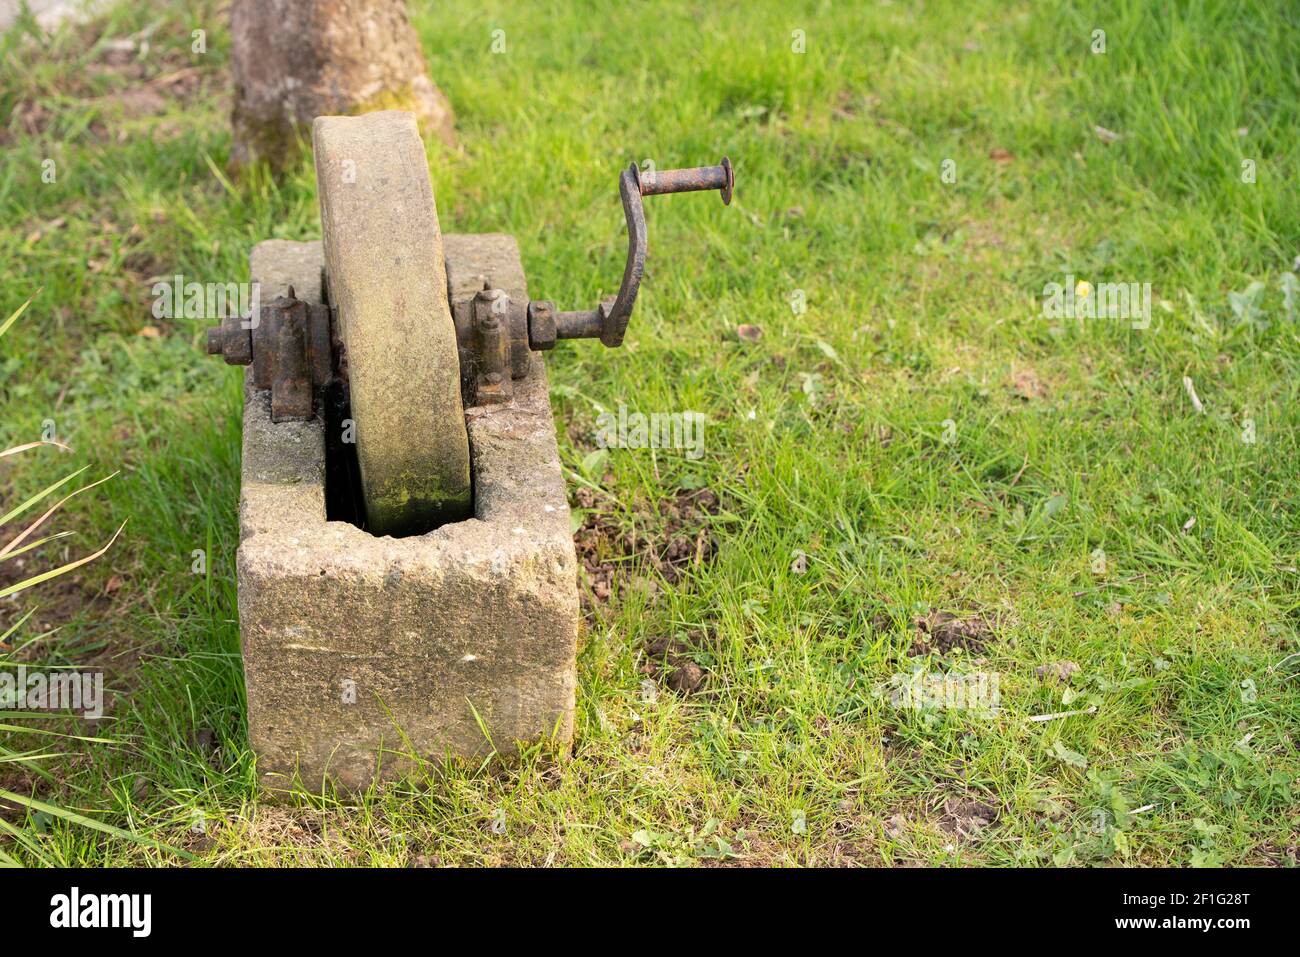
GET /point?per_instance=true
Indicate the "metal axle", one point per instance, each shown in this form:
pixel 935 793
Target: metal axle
pixel 296 351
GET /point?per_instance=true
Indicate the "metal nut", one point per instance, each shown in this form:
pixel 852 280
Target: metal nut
pixel 231 341
pixel 238 347
pixel 541 324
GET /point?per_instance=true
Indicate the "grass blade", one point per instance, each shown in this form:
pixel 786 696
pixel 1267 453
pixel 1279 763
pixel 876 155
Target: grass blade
pixel 14 316
pixel 73 817
pixel 54 573
pixel 36 544
pixel 32 445
pixel 40 495
pixel 48 512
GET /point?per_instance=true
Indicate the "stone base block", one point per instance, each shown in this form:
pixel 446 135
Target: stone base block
pixel 360 650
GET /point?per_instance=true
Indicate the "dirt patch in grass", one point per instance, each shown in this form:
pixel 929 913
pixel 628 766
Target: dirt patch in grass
pixel 845 845
pixel 134 63
pixel 671 662
pixel 60 607
pixel 966 816
pixel 1026 385
pixel 16 778
pixel 56 602
pixel 1058 671
pixel 1274 855
pixel 27 119
pixel 961 817
pixel 942 631
pixel 669 538
pixel 137 101
pixel 304 833
pixel 142 81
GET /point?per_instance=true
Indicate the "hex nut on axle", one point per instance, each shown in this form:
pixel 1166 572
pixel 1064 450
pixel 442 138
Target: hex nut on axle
pixel 231 341
pixel 541 325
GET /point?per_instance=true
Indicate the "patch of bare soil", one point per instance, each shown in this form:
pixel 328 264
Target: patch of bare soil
pixel 29 119
pixel 1059 671
pixel 52 605
pixel 942 631
pixel 57 606
pixel 272 826
pixel 671 662
pixel 139 101
pixel 967 816
pixel 1271 855
pixel 836 850
pixel 669 538
pixel 143 81
pixel 134 64
pixel 57 601
pixel 16 778
pixel 1026 385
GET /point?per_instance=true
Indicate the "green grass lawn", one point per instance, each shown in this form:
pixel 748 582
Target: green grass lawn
pixel 910 438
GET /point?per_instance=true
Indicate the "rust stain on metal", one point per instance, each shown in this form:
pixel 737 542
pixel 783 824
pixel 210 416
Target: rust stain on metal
pixel 694 179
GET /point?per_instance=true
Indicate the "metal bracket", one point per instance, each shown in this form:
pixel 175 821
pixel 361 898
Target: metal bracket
pixel 294 350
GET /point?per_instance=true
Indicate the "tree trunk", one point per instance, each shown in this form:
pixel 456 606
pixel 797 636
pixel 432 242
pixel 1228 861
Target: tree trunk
pixel 295 60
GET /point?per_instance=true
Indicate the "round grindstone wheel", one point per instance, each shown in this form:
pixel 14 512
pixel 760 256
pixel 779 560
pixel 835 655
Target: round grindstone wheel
pixel 388 282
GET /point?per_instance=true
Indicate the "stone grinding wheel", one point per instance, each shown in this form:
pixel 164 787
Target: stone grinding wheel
pixel 387 279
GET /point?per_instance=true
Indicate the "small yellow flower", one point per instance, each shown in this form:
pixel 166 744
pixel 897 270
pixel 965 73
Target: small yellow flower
pixel 1083 289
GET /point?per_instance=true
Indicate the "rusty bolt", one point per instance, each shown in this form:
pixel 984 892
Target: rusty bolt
pixel 492 347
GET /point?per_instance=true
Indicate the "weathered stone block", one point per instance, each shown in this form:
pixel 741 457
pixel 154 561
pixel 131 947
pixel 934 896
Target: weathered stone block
pixel 360 649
